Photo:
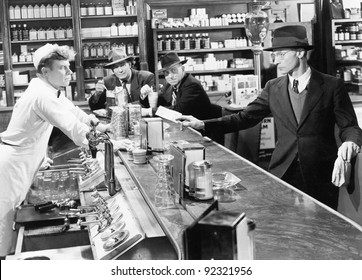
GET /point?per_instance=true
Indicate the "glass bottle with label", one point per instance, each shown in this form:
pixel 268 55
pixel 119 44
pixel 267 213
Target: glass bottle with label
pixel 93 50
pixel 100 50
pixel 30 11
pixel 83 9
pixel 108 9
pixel 55 10
pixel 100 9
pixel 114 30
pixel 61 9
pixel 130 49
pixel 43 12
pixel 121 29
pixel 49 11
pixel 25 32
pixel 85 51
pixel 91 9
pixel 17 12
pixel 11 12
pixel 106 49
pixel 68 10
pixel 24 11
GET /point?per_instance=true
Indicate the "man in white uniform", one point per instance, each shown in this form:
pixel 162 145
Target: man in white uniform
pixel 24 143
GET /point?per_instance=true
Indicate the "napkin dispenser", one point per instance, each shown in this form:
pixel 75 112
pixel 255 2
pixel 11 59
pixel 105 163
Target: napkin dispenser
pixel 184 155
pixel 220 235
pixel 152 134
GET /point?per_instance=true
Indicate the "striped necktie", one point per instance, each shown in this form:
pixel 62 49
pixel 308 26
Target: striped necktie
pixel 174 96
pixel 124 83
pixel 295 86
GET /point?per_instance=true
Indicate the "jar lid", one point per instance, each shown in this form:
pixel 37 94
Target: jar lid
pixel 202 164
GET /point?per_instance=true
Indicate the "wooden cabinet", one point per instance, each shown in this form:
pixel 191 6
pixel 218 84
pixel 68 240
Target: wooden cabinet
pixel 227 51
pixel 347 45
pixel 85 29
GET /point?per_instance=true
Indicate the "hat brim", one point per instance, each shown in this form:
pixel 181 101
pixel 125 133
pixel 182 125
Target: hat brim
pixel 182 62
pixel 128 58
pixel 307 48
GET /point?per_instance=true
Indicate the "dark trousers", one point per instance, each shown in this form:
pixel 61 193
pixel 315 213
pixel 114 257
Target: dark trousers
pixel 324 191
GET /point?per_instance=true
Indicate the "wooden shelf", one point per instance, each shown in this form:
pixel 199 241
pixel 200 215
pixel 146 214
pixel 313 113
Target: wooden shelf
pixel 40 19
pixel 347 42
pixel 108 16
pixel 349 62
pixel 209 50
pixel 346 20
pixel 209 28
pixel 42 41
pixel 110 37
pixel 218 71
pixel 23 63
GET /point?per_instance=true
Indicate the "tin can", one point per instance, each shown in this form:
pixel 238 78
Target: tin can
pixel 202 180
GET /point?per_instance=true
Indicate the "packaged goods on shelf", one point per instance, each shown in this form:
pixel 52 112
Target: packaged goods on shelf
pixel 244 89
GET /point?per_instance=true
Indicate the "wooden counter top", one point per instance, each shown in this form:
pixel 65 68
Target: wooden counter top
pixel 289 223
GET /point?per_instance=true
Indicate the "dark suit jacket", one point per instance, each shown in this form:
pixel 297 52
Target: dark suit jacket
pixel 138 80
pixel 191 98
pixel 327 103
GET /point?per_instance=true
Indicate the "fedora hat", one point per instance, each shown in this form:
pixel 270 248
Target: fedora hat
pixel 170 59
pixel 117 56
pixel 290 37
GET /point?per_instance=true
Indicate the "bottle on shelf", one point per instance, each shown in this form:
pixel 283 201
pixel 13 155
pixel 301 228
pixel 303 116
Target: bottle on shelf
pixel 182 42
pixel 160 43
pixel 20 32
pixel 114 30
pixel 91 9
pixel 129 29
pixel 121 29
pixel 25 32
pixel 85 51
pixel 187 42
pixel 17 12
pixel 192 41
pixel 83 9
pixel 11 12
pixel 36 11
pixel 177 43
pixel 172 43
pixel 206 41
pixel 168 43
pixel 68 10
pixel 197 41
pixel 100 50
pixel 99 9
pixel 106 49
pixel 49 11
pixel 93 50
pixel 33 34
pixel 137 49
pixel 43 12
pixel 69 32
pixel 135 29
pixel 55 10
pixel 14 33
pixel 108 9
pixel 61 9
pixel 30 11
pixel 130 49
pixel 24 11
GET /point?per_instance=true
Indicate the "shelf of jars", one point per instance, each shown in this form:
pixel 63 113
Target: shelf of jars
pixel 42 41
pixel 39 19
pixel 219 71
pixel 110 37
pixel 199 28
pixel 208 50
pixel 108 16
pixel 40 12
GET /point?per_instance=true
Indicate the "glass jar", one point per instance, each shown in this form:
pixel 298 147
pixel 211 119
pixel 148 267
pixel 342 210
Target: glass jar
pixel 256 25
pixel 165 194
pixel 202 180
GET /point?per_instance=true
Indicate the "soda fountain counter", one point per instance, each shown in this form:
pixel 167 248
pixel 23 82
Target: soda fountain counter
pixel 289 223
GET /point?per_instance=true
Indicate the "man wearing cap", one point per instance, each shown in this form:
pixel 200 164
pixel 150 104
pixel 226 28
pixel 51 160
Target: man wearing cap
pixel 306 106
pixel 123 76
pixel 24 143
pixel 181 91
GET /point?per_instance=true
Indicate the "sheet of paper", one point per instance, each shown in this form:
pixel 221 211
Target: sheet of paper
pixel 168 114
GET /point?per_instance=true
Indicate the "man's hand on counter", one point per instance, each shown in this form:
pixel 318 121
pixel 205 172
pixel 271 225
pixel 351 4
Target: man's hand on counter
pixel 190 121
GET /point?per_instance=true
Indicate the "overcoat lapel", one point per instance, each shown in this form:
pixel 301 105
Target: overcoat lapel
pixel 314 94
pixel 284 102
